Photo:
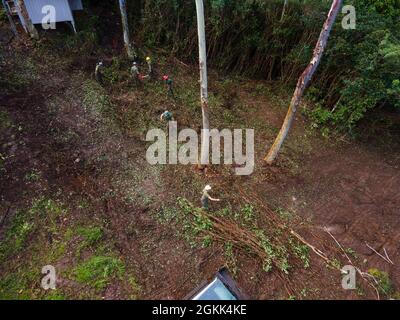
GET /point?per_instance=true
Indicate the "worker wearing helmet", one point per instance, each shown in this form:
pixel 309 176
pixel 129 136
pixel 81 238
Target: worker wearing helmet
pixel 98 72
pixel 150 67
pixel 135 73
pixel 206 197
pixel 169 83
pixel 166 116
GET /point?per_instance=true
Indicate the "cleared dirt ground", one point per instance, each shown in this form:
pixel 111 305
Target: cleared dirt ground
pixel 71 144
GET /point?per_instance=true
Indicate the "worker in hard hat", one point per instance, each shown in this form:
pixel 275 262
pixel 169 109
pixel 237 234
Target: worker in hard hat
pixel 150 67
pixel 166 116
pixel 135 73
pixel 98 72
pixel 169 83
pixel 206 197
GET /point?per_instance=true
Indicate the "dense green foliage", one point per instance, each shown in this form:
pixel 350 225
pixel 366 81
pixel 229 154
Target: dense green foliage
pixel 360 70
pixel 359 73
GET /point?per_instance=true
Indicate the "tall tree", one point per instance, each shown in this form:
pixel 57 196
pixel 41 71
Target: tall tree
pixel 10 19
pixel 285 4
pixel 304 80
pixel 204 155
pixel 125 26
pixel 27 22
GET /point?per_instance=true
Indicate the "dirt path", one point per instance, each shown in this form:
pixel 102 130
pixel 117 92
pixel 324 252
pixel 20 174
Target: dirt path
pixel 356 194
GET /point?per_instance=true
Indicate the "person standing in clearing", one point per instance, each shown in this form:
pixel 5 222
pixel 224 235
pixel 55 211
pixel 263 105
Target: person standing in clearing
pixel 169 83
pixel 135 73
pixel 166 116
pixel 206 197
pixel 150 67
pixel 98 72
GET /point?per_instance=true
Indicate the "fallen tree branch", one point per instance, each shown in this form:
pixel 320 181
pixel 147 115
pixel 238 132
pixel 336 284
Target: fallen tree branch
pixel 387 256
pixel 384 258
pixel 363 274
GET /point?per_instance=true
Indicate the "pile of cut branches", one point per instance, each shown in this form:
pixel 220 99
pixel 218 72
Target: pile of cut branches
pixel 243 234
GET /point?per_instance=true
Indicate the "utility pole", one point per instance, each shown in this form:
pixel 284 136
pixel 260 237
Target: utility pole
pixel 125 26
pixel 205 138
pixel 10 18
pixel 285 4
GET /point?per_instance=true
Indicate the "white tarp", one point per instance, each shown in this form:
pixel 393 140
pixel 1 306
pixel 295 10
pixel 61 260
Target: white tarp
pixel 63 10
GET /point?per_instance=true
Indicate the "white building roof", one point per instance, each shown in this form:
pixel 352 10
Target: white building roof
pixel 63 9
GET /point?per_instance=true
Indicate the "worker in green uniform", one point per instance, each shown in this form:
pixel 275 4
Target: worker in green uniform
pixel 166 116
pixel 206 197
pixel 135 73
pixel 169 83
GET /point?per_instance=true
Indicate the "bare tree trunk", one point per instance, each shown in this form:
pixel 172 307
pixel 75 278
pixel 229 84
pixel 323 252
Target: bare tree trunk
pixel 125 27
pixel 10 18
pixel 304 80
pixel 27 20
pixel 284 9
pixel 204 155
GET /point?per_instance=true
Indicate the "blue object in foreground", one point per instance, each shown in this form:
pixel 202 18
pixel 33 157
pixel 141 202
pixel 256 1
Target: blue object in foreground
pixel 216 290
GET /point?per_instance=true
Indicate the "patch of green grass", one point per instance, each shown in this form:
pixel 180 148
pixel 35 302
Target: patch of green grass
pixel 384 283
pixel 54 295
pixel 33 176
pixel 46 207
pixel 48 210
pixel 13 287
pixel 97 102
pixel 91 234
pixel 98 271
pixel 16 235
pixel 136 289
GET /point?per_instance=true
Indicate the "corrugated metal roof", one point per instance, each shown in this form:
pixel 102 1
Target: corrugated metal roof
pixel 63 10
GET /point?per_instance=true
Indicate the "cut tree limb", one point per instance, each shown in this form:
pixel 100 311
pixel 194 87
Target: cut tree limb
pixel 384 258
pixel 304 81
